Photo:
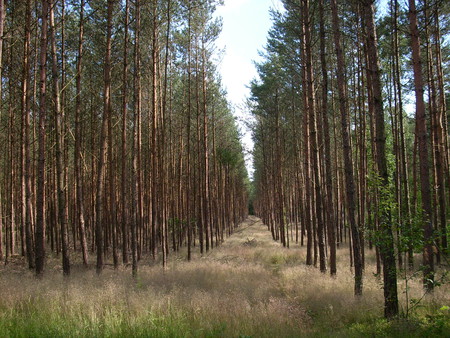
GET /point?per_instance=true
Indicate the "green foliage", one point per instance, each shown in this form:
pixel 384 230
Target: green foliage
pixel 228 157
pixel 410 231
pixel 431 326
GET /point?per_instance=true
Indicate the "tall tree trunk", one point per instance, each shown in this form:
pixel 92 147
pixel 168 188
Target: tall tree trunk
pixel 188 141
pixel 406 205
pixel 348 166
pixel 387 244
pixel 314 138
pixel 59 131
pixel 40 199
pixel 441 133
pixel 331 223
pixel 80 219
pixel 163 136
pixel 2 23
pixel 421 128
pixel 124 195
pixel 137 112
pixel 155 129
pixel 103 142
pixel 26 161
pixel 306 160
pixel 206 178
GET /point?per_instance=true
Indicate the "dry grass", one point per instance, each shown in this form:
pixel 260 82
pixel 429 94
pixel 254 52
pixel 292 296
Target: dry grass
pixel 249 286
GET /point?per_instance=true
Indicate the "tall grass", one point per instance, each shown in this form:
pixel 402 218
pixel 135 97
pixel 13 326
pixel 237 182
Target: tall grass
pixel 249 286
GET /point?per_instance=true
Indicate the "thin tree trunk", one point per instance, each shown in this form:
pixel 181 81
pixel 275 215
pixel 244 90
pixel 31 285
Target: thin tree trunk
pixel 26 161
pixel 314 138
pixel 306 159
pixel 387 245
pixel 188 143
pixel 348 166
pixel 2 23
pixel 421 128
pixel 40 199
pixel 442 135
pixel 78 138
pixel 331 223
pixel 59 121
pixel 155 129
pixel 103 142
pixel 124 194
pixel 137 112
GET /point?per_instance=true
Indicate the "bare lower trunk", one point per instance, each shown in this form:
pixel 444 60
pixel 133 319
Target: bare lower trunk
pixel 103 143
pixel 387 244
pixel 348 166
pixel 78 137
pixel 40 199
pixel 421 128
pixel 59 120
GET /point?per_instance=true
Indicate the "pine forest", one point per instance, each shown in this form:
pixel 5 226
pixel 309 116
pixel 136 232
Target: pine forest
pixel 131 206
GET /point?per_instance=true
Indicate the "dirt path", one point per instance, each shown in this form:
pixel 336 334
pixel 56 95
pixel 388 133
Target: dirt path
pixel 251 244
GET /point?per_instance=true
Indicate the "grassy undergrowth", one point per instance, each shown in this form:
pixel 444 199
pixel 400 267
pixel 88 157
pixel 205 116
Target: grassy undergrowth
pixel 248 287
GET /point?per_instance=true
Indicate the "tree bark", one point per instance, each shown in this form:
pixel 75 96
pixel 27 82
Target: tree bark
pixel 103 142
pixel 124 195
pixel 135 167
pixel 421 129
pixel 331 223
pixel 387 241
pixel 348 166
pixel 41 185
pixel 80 218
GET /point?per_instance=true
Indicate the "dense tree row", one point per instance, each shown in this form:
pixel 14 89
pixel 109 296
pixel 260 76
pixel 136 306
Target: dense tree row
pixel 338 156
pixel 116 135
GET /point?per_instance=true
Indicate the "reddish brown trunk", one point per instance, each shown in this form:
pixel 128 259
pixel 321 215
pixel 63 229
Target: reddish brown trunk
pixel 421 128
pixel 348 166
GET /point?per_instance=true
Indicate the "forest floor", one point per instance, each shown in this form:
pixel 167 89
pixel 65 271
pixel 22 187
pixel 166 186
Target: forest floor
pixel 250 286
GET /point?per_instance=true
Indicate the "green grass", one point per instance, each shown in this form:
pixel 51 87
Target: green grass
pixel 248 287
pixel 41 318
pixel 52 318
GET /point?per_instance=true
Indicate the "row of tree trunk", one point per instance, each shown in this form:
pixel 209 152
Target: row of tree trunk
pixel 337 158
pixel 118 139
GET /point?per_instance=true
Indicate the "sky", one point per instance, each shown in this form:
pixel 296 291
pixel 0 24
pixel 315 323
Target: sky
pixel 244 33
pixel 246 24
